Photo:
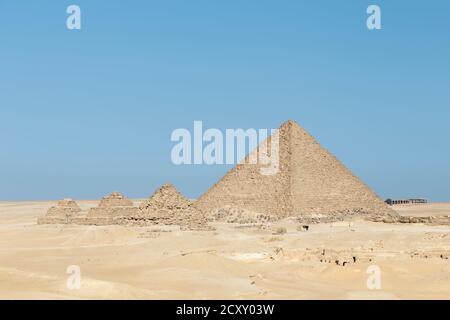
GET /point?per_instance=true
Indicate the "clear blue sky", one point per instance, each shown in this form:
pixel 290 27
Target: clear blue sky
pixel 87 112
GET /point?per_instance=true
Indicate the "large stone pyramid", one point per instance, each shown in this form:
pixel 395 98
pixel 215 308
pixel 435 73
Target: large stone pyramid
pixel 310 182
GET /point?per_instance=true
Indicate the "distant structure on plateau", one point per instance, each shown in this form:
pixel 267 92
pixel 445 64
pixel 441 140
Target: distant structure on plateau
pixel 406 201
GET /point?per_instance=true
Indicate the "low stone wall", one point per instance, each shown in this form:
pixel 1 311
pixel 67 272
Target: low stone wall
pixel 107 215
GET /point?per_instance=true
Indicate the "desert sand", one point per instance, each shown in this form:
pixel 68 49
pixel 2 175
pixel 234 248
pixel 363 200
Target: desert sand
pixel 234 261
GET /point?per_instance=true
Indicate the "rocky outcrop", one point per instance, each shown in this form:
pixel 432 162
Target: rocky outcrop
pixel 231 214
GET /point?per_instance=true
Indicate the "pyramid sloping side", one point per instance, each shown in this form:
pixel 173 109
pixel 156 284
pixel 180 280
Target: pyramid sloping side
pixel 245 187
pixel 309 181
pixel 321 184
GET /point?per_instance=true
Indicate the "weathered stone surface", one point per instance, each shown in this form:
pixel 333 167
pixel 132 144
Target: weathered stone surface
pixel 310 184
pixel 63 213
pixel 430 220
pixel 169 207
pixel 231 214
pixel 111 210
pixel 115 199
pixel 109 215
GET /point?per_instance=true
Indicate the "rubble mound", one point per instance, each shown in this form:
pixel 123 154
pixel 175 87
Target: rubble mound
pixel 346 215
pixel 231 214
pixel 430 220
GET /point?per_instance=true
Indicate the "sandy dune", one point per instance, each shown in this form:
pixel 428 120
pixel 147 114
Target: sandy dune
pixel 234 261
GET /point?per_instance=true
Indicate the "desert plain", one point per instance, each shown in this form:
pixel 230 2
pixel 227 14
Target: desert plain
pixel 270 260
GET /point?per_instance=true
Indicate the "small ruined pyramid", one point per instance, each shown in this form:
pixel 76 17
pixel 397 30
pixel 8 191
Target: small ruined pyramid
pixel 115 199
pixel 168 206
pixel 111 210
pixel 310 182
pixel 166 200
pixel 63 213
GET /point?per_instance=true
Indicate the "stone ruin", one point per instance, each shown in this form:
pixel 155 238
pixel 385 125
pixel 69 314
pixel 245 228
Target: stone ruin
pixel 65 212
pixel 112 209
pixel 232 214
pixel 167 206
pixel 115 199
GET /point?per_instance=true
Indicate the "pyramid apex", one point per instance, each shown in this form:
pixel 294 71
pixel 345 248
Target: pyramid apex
pixel 115 199
pixel 166 186
pixel 289 123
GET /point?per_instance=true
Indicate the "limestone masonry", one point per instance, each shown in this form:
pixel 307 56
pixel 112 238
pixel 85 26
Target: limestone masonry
pixel 64 213
pixel 310 184
pixel 111 210
pixel 169 207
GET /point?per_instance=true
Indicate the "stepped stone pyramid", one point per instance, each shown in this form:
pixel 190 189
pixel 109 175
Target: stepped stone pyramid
pixel 111 210
pixel 310 184
pixel 167 206
pixel 65 212
pixel 115 199
pixel 166 200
